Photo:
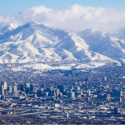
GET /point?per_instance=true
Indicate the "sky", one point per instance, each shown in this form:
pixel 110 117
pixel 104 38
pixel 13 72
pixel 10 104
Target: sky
pixel 15 6
pixel 70 15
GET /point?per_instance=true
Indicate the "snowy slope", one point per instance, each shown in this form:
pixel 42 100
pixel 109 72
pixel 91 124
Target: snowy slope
pixel 46 48
pixel 7 28
pixel 109 44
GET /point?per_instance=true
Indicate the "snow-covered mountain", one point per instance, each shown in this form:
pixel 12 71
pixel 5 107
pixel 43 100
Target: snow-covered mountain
pixel 7 28
pixel 41 47
pixel 110 44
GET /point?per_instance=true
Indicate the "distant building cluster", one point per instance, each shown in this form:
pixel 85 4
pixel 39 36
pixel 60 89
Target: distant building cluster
pixel 83 100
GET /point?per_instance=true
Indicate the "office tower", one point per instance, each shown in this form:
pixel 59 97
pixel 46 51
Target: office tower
pixel 27 87
pixel 9 89
pixel 66 115
pixel 89 92
pixel 14 88
pixel 45 94
pixel 4 85
pixel 32 88
pixel 39 93
pixel 105 78
pixel 117 93
pixel 1 90
pixel 21 87
pixel 71 94
pixel 27 90
pixel 116 110
pixel 108 96
pixel 50 91
pixel 56 92
pixel 77 88
pixel 61 88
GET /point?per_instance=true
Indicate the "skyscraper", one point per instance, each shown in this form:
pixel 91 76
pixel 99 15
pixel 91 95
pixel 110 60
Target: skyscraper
pixel 105 78
pixel 32 88
pixel 14 88
pixel 56 92
pixel 89 92
pixel 4 85
pixel 117 93
pixel 27 87
pixel 21 87
pixel 71 94
pixel 1 90
pixel 61 88
pixel 9 88
pixel 116 110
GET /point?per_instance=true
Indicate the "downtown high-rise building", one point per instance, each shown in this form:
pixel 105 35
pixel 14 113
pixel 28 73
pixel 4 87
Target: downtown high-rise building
pixel 56 92
pixel 4 85
pixel 21 87
pixel 1 90
pixel 61 88
pixel 32 88
pixel 14 88
pixel 9 89
pixel 27 87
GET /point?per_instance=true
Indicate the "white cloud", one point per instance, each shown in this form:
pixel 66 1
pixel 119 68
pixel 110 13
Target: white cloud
pixel 6 19
pixel 34 14
pixel 74 18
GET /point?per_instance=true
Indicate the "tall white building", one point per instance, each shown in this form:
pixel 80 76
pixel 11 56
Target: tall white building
pixel 56 92
pixel 89 92
pixel 14 88
pixel 1 90
pixel 105 78
pixel 4 85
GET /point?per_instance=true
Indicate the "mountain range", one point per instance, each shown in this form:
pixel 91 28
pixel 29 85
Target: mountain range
pixel 40 47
